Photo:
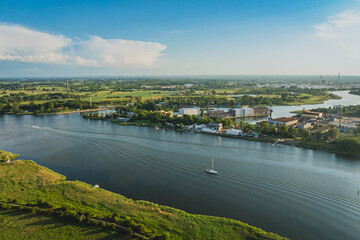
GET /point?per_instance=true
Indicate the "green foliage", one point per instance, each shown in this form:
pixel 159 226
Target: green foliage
pixel 349 144
pixel 6 156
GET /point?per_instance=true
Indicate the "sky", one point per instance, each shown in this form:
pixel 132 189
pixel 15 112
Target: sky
pixel 202 37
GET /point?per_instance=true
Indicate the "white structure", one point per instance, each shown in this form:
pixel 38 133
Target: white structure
pixel 241 112
pixel 190 111
pixel 236 112
pixel 208 130
pixel 188 85
pixel 236 132
pixel 199 127
pixel 247 111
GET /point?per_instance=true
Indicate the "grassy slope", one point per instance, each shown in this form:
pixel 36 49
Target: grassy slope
pixel 27 182
pixel 22 225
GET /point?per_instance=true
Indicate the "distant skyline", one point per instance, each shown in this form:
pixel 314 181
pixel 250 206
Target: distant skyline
pixel 229 37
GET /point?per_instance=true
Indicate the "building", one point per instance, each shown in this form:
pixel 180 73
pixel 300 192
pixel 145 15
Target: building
pixel 261 110
pixel 188 85
pixel 235 132
pixel 287 121
pixel 190 111
pixel 208 130
pixel 304 126
pixel 168 87
pixel 216 126
pixel 309 114
pixel 235 112
pixel 241 112
pixel 248 111
pixel 217 114
pixel 199 127
pixel 190 127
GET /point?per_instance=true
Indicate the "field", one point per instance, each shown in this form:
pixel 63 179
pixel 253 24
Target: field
pixel 116 96
pixel 26 182
pixel 16 224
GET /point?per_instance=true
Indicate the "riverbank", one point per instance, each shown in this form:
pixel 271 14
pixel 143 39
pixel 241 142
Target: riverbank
pixel 65 112
pixel 298 142
pixel 28 183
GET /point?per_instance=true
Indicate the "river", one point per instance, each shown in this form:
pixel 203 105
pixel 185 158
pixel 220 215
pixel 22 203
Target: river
pixel 294 192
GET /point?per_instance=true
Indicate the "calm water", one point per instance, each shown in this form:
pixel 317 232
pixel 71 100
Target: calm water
pixel 297 193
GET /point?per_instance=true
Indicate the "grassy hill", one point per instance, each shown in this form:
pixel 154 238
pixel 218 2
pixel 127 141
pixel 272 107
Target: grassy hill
pixel 27 183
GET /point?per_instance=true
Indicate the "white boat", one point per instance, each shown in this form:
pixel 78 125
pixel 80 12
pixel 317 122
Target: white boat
pixel 211 170
pixel 33 126
pixel 277 144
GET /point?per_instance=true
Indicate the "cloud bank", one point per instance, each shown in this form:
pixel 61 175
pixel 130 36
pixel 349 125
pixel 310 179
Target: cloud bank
pixel 340 25
pixel 18 43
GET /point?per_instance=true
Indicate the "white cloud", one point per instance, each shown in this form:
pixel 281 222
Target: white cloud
pixel 340 25
pixel 119 52
pixel 18 43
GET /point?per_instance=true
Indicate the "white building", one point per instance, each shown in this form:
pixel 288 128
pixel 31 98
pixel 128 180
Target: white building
pixel 199 127
pixel 236 132
pixel 247 111
pixel 190 111
pixel 188 85
pixel 208 130
pixel 241 112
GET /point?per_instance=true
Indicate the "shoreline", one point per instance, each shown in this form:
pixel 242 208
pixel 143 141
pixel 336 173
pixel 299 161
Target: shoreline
pixel 307 144
pixel 61 113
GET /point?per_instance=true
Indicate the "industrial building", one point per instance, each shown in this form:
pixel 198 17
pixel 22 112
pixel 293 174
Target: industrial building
pixel 241 112
pixel 190 111
pixel 248 112
pixel 309 114
pixel 261 110
pixel 287 121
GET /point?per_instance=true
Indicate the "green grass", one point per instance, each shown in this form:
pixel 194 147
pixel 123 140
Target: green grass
pixel 15 224
pixel 142 123
pixel 116 96
pixel 6 156
pixel 316 145
pixel 28 182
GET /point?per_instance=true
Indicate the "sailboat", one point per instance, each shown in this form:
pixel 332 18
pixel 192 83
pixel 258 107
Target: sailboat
pixel 211 170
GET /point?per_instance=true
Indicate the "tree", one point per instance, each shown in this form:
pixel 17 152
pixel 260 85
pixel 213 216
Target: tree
pixel 333 133
pixel 318 136
pixel 306 134
pixel 294 132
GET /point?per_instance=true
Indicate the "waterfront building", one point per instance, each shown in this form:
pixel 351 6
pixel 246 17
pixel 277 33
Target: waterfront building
pixel 216 126
pixel 241 112
pixel 287 121
pixel 208 130
pixel 261 110
pixel 235 132
pixel 190 111
pixel 308 114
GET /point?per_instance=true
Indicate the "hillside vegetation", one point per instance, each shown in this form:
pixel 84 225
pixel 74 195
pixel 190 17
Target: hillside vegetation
pixel 27 183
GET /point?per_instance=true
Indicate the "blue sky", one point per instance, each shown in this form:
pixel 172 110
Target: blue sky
pixel 58 38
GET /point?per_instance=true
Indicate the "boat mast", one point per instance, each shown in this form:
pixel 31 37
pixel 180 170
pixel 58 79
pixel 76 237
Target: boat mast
pixel 212 163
